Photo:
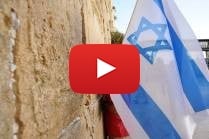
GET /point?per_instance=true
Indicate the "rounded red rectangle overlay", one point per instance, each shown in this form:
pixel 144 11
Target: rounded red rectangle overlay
pixel 104 68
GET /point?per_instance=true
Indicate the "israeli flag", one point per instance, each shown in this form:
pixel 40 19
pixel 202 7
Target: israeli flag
pixel 172 100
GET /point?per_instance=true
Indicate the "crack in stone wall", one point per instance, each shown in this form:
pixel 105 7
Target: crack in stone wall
pixel 72 128
pixel 9 24
pixel 12 36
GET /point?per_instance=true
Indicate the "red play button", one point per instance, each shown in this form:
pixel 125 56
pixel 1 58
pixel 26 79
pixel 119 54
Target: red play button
pixel 104 69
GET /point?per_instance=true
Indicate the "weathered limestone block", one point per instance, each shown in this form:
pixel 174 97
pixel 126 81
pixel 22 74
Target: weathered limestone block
pixel 40 103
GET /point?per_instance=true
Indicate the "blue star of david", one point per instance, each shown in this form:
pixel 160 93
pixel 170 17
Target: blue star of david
pixel 161 43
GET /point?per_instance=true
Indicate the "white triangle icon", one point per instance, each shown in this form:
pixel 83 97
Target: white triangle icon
pixel 103 68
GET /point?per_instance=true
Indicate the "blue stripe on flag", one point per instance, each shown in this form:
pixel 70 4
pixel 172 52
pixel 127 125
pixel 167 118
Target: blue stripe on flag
pixel 149 115
pixel 195 84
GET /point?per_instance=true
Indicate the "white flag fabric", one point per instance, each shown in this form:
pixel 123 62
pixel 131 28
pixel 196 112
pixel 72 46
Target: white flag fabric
pixel 173 97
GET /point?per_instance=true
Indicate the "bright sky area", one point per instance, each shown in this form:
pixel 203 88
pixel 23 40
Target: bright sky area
pixel 196 13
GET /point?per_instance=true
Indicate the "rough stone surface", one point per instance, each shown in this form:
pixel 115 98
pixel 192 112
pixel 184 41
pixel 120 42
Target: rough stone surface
pixel 40 103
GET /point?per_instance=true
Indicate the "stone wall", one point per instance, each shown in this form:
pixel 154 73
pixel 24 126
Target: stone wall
pixel 35 37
